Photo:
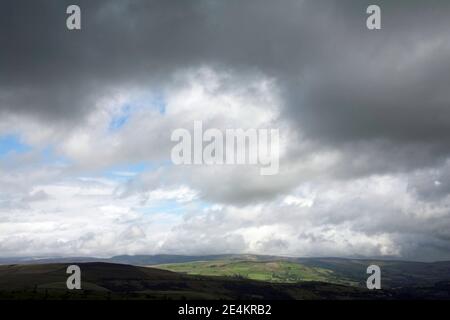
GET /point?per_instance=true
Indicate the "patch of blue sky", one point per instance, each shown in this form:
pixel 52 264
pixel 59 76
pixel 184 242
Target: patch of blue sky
pixel 126 171
pixel 160 103
pixel 154 101
pixel 174 207
pixel 12 143
pixel 119 120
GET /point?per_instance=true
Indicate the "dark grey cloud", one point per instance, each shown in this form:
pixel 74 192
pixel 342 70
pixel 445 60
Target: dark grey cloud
pixel 342 83
pixel 52 73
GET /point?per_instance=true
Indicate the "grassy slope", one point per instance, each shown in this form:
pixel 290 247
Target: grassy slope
pixel 272 271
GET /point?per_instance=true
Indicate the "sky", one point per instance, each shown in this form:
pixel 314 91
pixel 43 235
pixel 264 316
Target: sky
pixel 86 118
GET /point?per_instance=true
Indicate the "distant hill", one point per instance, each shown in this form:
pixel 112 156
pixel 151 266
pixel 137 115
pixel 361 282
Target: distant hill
pixel 139 260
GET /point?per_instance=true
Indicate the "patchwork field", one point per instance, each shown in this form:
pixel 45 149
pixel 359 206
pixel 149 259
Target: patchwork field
pixel 271 271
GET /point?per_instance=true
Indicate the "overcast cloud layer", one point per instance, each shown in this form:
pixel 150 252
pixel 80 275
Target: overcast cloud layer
pixel 86 118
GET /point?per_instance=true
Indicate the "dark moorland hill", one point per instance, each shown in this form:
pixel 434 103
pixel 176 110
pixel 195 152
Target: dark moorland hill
pixel 119 281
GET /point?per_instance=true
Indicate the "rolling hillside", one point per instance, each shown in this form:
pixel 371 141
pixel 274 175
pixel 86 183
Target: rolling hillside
pixel 118 281
pixel 403 277
pixel 395 274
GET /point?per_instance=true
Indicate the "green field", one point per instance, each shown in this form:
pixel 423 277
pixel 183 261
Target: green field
pixel 272 271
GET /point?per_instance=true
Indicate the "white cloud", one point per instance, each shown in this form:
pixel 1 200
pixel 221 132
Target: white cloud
pixel 308 209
